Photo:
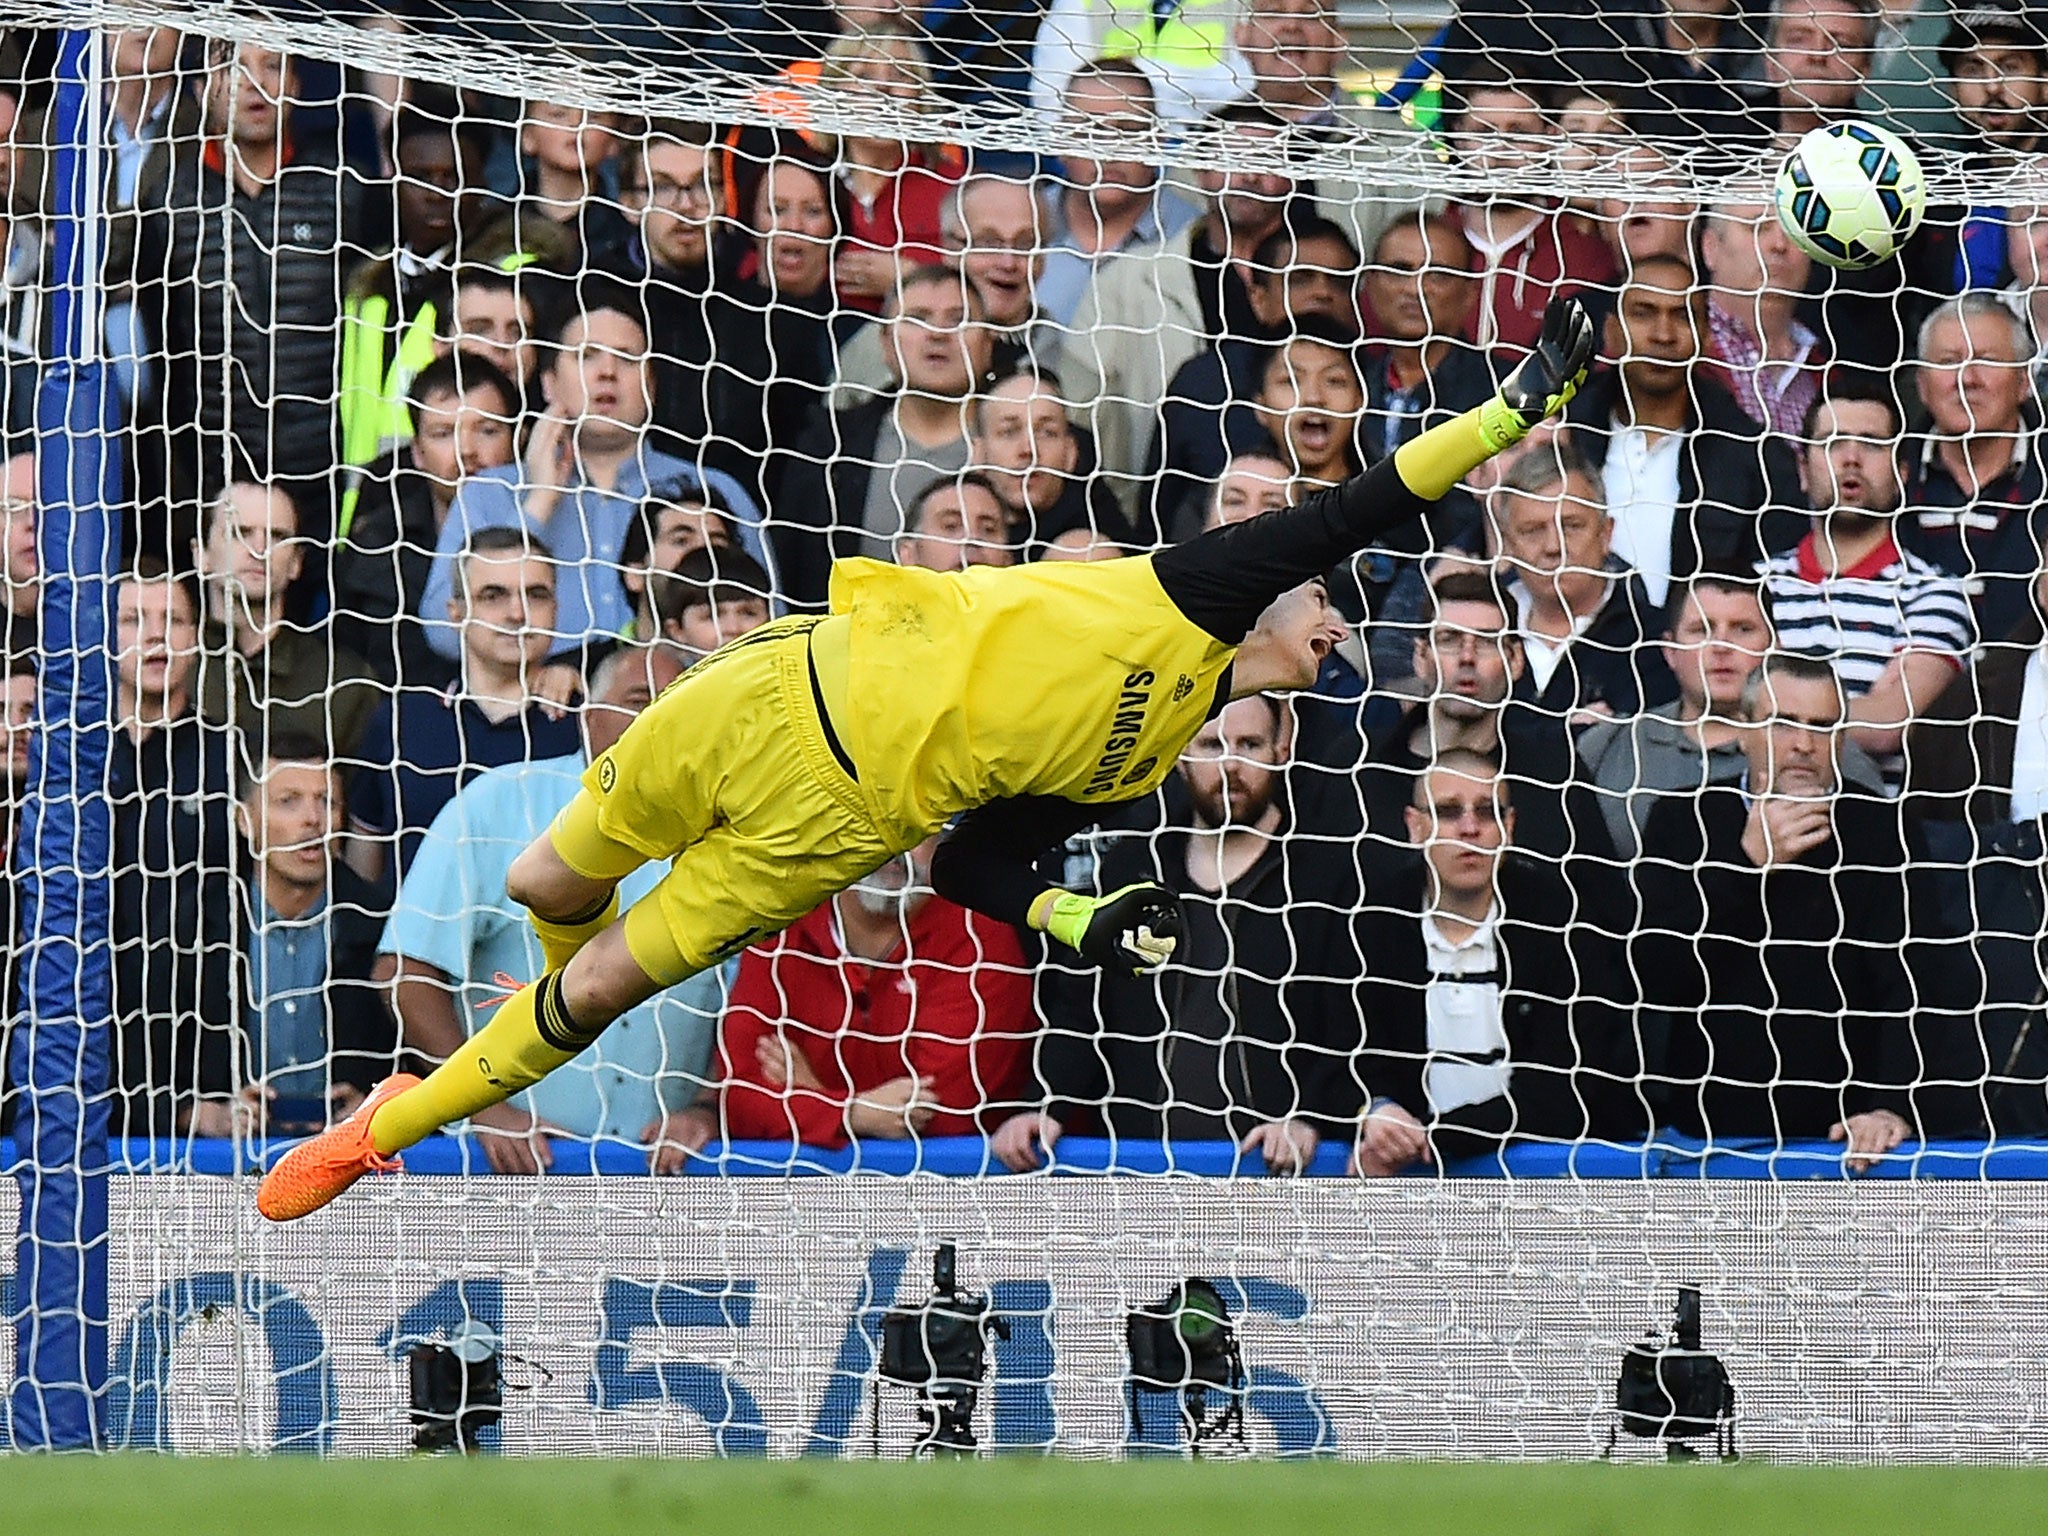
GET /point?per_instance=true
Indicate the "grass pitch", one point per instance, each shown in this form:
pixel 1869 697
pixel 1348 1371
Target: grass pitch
pixel 70 1496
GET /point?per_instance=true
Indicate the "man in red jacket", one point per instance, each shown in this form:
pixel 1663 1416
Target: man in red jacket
pixel 1530 249
pixel 886 1012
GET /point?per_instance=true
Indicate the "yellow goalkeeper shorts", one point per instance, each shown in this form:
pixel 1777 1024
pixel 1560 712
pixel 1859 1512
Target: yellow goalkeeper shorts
pixel 731 774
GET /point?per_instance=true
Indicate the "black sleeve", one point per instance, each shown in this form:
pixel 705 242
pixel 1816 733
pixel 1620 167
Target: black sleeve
pixel 1607 1052
pixel 149 270
pixel 362 1035
pixel 801 501
pixel 1226 578
pixel 1669 908
pixel 1329 1027
pixel 986 859
pixel 1884 1057
pixel 1075 1046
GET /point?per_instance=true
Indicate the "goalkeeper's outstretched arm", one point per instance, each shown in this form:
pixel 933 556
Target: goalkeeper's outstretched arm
pixel 988 858
pixel 1224 580
pixel 988 861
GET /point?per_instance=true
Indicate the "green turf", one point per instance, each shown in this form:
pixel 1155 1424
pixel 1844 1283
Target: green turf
pixel 223 1497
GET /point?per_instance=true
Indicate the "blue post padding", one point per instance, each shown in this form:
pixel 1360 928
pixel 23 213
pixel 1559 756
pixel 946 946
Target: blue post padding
pixel 62 847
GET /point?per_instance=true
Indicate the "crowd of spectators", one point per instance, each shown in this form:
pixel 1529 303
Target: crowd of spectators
pixel 1686 770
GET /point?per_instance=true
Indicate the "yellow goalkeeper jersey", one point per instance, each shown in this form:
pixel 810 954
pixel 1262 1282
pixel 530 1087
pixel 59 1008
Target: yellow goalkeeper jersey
pixel 1075 679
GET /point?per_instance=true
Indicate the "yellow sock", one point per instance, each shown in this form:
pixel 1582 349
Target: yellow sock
pixel 528 1038
pixel 560 941
pixel 1431 462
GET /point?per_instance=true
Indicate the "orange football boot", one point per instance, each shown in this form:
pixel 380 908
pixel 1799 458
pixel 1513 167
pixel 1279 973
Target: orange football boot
pixel 320 1169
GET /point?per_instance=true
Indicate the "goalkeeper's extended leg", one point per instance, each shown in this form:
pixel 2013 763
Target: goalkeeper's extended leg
pixel 568 881
pixel 731 775
pixel 534 1031
pixel 542 1026
pixel 720 895
pixel 561 937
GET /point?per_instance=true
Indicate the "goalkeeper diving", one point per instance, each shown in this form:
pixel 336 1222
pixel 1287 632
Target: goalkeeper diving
pixel 797 759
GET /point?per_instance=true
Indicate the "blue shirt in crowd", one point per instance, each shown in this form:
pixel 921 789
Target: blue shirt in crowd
pixel 287 976
pixel 453 914
pixel 585 531
pixel 416 753
pixel 1069 269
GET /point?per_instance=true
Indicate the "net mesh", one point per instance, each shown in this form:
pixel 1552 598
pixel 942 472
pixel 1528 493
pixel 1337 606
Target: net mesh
pixel 479 368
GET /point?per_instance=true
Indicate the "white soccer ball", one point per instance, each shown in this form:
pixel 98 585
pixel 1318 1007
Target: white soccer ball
pixel 1850 194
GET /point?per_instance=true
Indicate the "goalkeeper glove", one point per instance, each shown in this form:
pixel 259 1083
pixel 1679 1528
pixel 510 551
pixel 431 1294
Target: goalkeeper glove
pixel 1134 929
pixel 1546 379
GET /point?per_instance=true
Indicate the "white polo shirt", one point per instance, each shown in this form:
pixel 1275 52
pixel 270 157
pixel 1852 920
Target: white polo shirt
pixel 1468 1045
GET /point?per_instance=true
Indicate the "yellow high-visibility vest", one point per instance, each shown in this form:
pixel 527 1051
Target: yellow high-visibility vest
pixel 1175 34
pixel 376 415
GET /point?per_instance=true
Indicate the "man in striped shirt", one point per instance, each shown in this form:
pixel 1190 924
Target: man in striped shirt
pixel 1895 627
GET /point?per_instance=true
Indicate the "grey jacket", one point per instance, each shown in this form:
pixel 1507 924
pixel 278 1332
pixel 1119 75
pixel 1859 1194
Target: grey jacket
pixel 1138 322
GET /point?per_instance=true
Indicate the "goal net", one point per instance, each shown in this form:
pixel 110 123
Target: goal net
pixel 1641 896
